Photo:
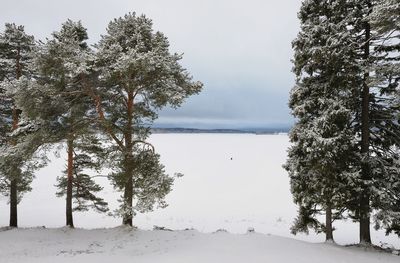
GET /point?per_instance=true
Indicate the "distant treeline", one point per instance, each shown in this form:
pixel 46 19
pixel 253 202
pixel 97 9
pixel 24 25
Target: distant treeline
pixel 238 131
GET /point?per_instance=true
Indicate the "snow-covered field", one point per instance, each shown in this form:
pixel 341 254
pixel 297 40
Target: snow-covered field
pixel 251 190
pixel 127 245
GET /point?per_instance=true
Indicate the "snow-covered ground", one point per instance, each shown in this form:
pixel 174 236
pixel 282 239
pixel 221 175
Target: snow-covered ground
pixel 251 190
pixel 127 245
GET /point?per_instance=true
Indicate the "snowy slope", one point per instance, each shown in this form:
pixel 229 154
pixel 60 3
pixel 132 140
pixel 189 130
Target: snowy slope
pixel 127 245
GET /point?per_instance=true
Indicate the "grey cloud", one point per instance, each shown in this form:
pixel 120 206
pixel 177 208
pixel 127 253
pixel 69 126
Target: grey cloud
pixel 241 50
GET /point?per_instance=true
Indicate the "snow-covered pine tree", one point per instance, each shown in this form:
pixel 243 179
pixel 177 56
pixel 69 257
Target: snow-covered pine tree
pixel 361 31
pixel 15 171
pixel 138 77
pixel 370 74
pixel 322 138
pixel 385 22
pixel 58 98
pixel 375 120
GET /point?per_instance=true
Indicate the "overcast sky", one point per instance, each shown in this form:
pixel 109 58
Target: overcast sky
pixel 240 50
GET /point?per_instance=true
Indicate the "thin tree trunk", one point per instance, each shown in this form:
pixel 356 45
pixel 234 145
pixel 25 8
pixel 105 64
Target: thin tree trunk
pixel 14 176
pixel 69 218
pixel 128 201
pixel 365 236
pixel 328 224
pixel 14 180
pixel 128 192
pixel 13 203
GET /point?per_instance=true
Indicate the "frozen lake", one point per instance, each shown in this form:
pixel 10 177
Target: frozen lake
pixel 251 190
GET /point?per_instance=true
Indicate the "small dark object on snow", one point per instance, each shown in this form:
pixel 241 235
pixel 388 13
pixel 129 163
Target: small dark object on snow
pixel 250 230
pixel 161 228
pixel 221 230
pixel 231 158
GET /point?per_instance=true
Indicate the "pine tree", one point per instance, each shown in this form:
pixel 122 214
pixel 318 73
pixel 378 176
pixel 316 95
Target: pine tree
pixel 375 119
pixel 58 98
pixel 15 171
pixel 368 81
pixel 322 136
pixel 385 21
pixel 138 76
pixel 364 195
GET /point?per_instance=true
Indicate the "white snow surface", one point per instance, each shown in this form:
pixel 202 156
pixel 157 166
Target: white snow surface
pixel 123 244
pixel 249 191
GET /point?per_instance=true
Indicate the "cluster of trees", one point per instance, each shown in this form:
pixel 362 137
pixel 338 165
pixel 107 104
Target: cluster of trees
pixel 344 161
pixel 99 101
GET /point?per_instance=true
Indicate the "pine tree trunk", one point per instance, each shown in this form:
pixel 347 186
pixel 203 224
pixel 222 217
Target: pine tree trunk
pixel 328 224
pixel 13 203
pixel 128 192
pixel 128 201
pixel 14 179
pixel 70 167
pixel 365 236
